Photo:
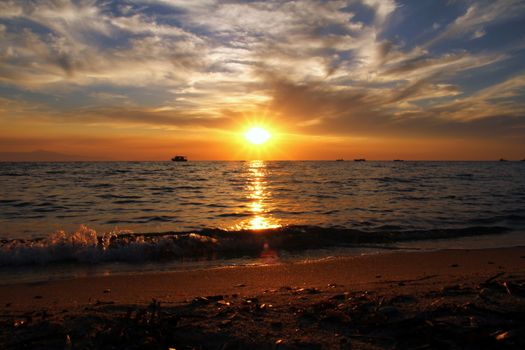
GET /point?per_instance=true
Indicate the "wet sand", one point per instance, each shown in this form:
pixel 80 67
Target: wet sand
pixel 455 298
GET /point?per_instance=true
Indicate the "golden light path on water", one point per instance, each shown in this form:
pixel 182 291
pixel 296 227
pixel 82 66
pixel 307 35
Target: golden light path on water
pixel 258 194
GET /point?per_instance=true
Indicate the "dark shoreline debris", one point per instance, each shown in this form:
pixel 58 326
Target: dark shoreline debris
pixel 488 314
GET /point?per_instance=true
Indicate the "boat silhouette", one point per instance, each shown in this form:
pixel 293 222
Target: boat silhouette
pixel 360 160
pixel 179 159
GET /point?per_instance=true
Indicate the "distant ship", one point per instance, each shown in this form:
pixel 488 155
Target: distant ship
pixel 502 160
pixel 398 160
pixel 179 159
pixel 339 160
pixel 360 160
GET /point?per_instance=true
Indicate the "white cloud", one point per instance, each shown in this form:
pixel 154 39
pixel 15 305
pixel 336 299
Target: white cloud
pixel 479 15
pixel 212 56
pixel 479 34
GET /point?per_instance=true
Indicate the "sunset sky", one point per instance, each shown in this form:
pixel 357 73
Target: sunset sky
pixel 375 79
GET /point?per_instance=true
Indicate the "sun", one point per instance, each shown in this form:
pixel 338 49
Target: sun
pixel 257 135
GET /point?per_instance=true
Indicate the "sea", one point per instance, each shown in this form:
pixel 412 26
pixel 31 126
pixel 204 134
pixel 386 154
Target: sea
pixel 71 219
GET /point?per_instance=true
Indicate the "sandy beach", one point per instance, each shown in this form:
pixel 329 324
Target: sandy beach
pixel 449 298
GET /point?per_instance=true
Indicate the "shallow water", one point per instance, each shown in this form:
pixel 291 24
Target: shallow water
pixel 362 202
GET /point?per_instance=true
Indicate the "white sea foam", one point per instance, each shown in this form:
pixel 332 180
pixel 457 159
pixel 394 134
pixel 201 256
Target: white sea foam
pixel 86 246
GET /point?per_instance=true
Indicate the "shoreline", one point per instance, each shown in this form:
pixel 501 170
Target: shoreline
pixel 361 302
pixel 178 285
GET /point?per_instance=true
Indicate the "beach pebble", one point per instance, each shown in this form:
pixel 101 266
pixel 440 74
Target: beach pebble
pixel 277 325
pixel 339 297
pixel 200 301
pixel 306 344
pixel 403 299
pixel 251 300
pixel 473 322
pixel 345 344
pixel 452 290
pixel 68 344
pixel 226 323
pixel 308 290
pixel 389 312
pixel 335 317
pixel 501 335
pixel 19 323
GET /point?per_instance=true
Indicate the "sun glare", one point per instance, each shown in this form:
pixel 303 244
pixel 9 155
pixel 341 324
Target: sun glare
pixel 257 136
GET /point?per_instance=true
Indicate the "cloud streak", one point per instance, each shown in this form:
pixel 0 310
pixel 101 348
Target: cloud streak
pixel 344 68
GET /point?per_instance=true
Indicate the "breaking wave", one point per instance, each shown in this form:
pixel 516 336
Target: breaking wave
pixel 87 247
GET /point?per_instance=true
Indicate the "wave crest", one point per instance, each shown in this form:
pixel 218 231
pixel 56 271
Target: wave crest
pixel 87 247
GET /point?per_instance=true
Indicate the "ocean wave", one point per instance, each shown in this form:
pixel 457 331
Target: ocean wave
pixel 103 185
pixel 500 218
pixel 117 196
pixel 128 201
pixel 86 246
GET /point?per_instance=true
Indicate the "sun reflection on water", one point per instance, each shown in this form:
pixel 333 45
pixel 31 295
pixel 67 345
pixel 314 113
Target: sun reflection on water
pixel 258 195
